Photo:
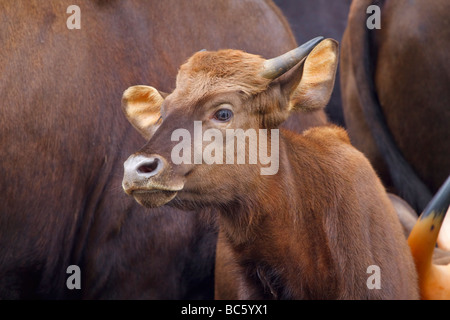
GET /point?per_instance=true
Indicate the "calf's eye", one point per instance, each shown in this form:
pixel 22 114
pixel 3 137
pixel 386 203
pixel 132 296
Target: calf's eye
pixel 223 115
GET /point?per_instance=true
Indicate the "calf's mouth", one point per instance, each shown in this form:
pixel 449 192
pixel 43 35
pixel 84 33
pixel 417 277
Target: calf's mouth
pixel 152 198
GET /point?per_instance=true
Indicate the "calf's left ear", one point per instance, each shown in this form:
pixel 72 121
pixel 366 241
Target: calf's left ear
pixel 142 107
pixel 311 89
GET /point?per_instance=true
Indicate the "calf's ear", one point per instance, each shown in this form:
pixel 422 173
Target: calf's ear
pixel 311 89
pixel 142 107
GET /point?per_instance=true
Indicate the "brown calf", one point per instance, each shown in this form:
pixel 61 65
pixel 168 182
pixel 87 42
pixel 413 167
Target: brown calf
pixel 312 229
pixel 60 198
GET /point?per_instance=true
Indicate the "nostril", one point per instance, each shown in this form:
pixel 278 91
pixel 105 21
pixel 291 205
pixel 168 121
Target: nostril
pixel 149 166
pixel 140 168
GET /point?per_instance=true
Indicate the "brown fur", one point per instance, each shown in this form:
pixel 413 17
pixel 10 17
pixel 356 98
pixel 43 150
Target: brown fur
pixel 314 212
pixel 308 232
pixel 221 70
pixel 397 113
pixel 63 141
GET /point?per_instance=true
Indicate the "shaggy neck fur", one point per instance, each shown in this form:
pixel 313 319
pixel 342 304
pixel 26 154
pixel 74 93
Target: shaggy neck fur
pixel 265 227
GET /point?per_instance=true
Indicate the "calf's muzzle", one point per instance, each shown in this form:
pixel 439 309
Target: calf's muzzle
pixel 149 180
pixel 138 169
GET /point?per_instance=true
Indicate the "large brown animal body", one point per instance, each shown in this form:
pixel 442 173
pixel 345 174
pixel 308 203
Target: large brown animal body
pixel 63 139
pixel 312 229
pixel 395 89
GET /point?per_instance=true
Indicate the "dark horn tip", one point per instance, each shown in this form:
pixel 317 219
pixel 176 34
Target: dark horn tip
pixel 275 67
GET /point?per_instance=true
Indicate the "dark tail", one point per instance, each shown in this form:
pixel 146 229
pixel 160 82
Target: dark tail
pixel 405 180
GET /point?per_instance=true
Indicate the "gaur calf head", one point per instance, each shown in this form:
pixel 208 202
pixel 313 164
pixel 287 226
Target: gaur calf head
pixel 193 155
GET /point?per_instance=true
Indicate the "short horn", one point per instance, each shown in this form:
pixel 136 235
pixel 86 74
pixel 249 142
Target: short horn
pixel 273 68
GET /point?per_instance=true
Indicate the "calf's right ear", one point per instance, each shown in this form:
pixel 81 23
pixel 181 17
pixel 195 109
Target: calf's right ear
pixel 142 107
pixel 311 89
